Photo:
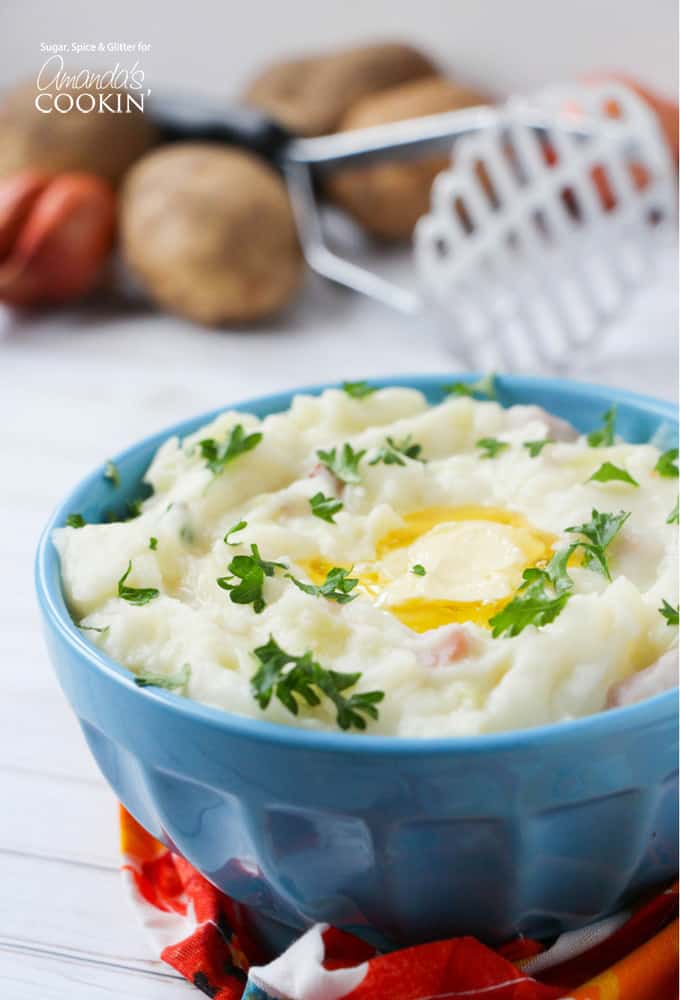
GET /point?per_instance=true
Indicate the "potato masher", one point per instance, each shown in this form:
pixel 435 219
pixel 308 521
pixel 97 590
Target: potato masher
pixel 539 232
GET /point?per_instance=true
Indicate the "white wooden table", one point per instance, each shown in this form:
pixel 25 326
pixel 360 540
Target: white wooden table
pixel 75 388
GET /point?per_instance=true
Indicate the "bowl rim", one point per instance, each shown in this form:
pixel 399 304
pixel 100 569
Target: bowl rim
pixel 56 615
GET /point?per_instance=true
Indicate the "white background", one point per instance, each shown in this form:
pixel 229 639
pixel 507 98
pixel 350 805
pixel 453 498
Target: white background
pixel 80 385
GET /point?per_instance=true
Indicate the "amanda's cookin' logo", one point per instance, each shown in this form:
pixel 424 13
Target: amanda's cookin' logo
pixel 62 91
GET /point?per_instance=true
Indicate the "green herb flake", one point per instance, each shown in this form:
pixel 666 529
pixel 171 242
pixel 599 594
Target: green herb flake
pixel 250 571
pixel 325 507
pixel 171 682
pixel 112 474
pixel 674 516
pixel 668 464
pixel 612 473
pixel 336 587
pixel 135 595
pixel 670 613
pixel 600 532
pixel 358 390
pixel 394 452
pixel 544 592
pixel 484 387
pixel 232 531
pixel 605 435
pixel 491 447
pixel 345 465
pixel 76 521
pixel 537 604
pixel 418 570
pixel 536 447
pixel 134 508
pixel 95 628
pixel 218 455
pixel 293 678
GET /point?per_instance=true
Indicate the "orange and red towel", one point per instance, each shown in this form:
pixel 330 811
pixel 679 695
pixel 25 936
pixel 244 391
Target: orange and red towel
pixel 206 937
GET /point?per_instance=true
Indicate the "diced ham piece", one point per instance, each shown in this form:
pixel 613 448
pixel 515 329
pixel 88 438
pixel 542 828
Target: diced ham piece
pixel 662 675
pixel 558 429
pixel 453 645
pixel 328 482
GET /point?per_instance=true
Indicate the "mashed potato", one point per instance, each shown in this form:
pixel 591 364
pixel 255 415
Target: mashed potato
pixel 388 539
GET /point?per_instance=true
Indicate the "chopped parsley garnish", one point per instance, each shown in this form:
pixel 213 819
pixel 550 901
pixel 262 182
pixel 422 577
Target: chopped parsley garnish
pixel 291 678
pixel 491 447
pixel 668 464
pixel 484 387
pixel 600 532
pixel 418 570
pixel 239 526
pixel 394 452
pixel 76 521
pixel 135 595
pixel 358 390
pixel 544 592
pixel 608 473
pixel 112 474
pixel 604 437
pixel 325 507
pixel 674 516
pixel 670 613
pixel 336 587
pixel 344 466
pixel 134 508
pixel 218 455
pixel 536 447
pixel 250 571
pixel 153 543
pixel 94 628
pixel 146 678
pixel 538 603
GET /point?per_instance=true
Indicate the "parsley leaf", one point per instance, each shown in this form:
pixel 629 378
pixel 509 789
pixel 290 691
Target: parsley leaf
pixel 153 543
pixel 544 592
pixel 668 464
pixel 671 614
pixel 608 473
pixel 491 447
pixel 251 572
pixel 536 447
pixel 290 678
pixel 135 595
pixel 336 586
pixel 393 452
pixel 218 455
pixel 484 387
pixel 239 526
pixel 325 507
pixel 537 604
pixel 674 516
pixel 344 466
pixel 146 678
pixel 76 521
pixel 600 531
pixel 604 437
pixel 358 390
pixel 112 474
pixel 418 570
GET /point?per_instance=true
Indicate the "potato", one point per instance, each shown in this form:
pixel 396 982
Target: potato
pixel 209 232
pixel 309 96
pixel 388 198
pixel 100 143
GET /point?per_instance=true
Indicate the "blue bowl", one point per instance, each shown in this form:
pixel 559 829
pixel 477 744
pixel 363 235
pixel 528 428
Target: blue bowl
pixel 397 840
